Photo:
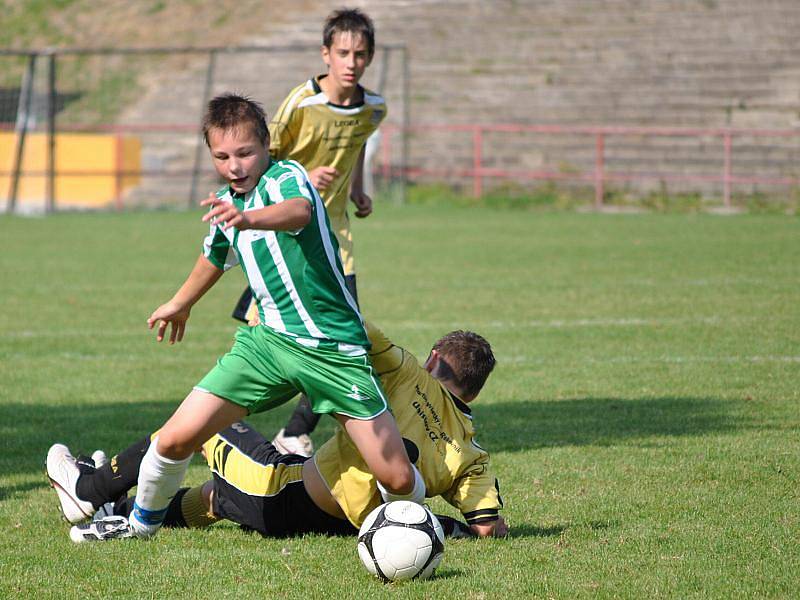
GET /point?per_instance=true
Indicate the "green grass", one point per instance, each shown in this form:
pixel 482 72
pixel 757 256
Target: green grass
pixel 643 418
pixel 32 21
pixel 550 196
pixel 104 86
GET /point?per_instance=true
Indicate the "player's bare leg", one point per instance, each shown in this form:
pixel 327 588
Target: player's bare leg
pixel 200 415
pixel 163 468
pixel 379 442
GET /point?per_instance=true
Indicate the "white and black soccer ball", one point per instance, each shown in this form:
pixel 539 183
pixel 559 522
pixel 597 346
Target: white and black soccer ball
pixel 401 540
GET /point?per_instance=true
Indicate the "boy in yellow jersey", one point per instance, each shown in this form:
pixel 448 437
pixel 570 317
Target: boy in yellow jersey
pixel 331 493
pixel 324 124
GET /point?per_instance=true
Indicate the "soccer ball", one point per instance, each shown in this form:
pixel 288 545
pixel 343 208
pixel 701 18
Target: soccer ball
pixel 401 540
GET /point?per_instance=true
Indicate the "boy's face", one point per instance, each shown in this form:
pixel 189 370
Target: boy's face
pixel 347 59
pixel 238 156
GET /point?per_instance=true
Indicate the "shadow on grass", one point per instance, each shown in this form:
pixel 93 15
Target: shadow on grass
pixel 446 574
pixel 525 530
pixel 9 491
pixel 28 430
pixel 523 425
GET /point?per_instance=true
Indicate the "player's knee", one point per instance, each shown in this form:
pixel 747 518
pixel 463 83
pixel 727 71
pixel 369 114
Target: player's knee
pixel 398 481
pixel 174 446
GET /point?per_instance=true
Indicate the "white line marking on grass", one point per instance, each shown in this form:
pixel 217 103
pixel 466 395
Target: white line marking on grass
pixel 525 360
pixel 138 332
pixel 417 325
pixel 103 357
pixel 623 322
pixel 698 359
pixel 564 323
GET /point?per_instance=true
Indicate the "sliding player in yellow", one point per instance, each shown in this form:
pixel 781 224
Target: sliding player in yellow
pixel 331 493
pixel 324 124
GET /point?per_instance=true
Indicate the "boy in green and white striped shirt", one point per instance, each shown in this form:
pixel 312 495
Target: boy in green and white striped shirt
pixel 291 273
pixel 271 221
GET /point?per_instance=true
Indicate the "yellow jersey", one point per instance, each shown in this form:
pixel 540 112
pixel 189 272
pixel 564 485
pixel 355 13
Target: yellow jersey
pixel 313 131
pixel 438 431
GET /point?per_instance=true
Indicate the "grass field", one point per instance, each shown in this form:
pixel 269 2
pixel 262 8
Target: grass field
pixel 643 418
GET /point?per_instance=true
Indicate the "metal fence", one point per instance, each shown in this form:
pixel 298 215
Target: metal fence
pixel 120 127
pixel 716 163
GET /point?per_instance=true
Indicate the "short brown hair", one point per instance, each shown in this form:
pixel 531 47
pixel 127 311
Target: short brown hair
pixel 232 111
pixel 353 21
pixel 469 359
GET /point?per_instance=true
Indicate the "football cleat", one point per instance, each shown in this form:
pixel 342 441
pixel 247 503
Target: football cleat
pixel 290 444
pixel 63 473
pixel 106 510
pixel 101 530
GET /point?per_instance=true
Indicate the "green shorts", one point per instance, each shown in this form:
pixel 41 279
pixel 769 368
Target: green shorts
pixel 265 369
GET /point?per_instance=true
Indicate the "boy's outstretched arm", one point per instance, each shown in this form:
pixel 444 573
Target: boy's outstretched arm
pixel 287 215
pixel 176 312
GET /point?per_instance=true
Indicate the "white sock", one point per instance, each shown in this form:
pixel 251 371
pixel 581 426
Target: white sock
pixel 415 495
pixel 159 480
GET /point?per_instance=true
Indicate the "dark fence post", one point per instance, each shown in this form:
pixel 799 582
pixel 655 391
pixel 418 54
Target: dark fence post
pixel 599 170
pixel 727 144
pixel 51 134
pixel 406 126
pixel 21 130
pixel 477 161
pixel 387 54
pixel 198 152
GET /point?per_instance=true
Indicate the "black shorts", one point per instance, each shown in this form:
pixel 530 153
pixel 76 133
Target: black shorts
pixel 261 489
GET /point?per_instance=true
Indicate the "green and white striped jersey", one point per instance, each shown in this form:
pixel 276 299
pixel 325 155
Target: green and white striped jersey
pixel 296 276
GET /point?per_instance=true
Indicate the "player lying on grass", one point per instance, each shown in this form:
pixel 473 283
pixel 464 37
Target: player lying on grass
pixel 269 219
pixel 324 124
pixel 278 495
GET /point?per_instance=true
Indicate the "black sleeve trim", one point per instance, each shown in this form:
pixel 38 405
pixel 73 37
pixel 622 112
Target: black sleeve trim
pixel 389 347
pixel 481 516
pixel 483 520
pixel 397 368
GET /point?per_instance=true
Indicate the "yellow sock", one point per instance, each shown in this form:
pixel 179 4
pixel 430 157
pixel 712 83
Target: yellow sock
pixel 194 511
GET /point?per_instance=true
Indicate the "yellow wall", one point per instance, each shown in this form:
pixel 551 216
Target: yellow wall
pixel 86 167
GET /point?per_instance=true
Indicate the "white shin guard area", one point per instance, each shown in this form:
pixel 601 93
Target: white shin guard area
pixel 159 480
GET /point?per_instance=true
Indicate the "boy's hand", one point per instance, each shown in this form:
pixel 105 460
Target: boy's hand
pixel 225 212
pixel 322 177
pixel 497 528
pixel 169 313
pixel 500 528
pixel 363 204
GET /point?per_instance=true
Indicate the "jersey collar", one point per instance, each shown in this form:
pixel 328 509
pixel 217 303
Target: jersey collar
pixel 460 404
pixel 318 90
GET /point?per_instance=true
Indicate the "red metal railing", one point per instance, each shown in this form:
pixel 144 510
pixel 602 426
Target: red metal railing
pixel 600 175
pixel 477 171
